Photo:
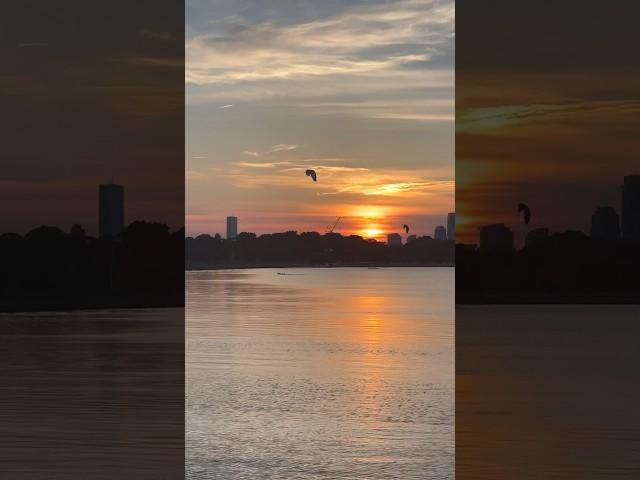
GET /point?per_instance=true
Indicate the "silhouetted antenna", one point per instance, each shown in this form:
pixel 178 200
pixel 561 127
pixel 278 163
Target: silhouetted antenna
pixel 332 228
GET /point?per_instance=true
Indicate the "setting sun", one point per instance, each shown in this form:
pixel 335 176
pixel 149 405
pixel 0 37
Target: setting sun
pixel 372 232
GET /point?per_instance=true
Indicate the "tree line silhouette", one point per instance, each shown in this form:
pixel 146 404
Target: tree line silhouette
pixel 563 268
pixel 311 249
pixel 49 267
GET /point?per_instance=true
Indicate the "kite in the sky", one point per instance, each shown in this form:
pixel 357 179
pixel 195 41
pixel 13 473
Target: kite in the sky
pixel 526 211
pixel 312 174
pixel 406 228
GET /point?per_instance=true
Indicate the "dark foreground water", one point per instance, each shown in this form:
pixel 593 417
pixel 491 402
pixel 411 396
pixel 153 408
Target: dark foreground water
pixel 548 392
pixel 320 374
pixel 92 395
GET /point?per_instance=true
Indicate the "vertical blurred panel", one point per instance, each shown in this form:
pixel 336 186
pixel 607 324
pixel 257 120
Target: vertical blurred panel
pixel 547 104
pixel 91 239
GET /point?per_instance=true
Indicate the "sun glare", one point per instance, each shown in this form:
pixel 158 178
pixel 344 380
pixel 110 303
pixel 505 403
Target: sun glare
pixel 369 211
pixel 372 232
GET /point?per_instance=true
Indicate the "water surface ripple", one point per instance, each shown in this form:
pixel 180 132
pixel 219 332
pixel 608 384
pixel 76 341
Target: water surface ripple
pixel 320 374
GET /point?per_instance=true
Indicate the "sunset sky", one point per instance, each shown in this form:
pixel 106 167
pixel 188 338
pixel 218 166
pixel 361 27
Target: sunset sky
pixel 91 92
pixel 362 92
pixel 546 115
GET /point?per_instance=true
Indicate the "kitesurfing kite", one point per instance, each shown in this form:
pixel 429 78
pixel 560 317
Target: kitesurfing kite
pixel 406 228
pixel 312 174
pixel 522 208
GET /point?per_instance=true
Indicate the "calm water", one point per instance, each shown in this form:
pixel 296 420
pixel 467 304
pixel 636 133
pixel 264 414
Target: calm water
pixel 547 392
pixel 92 395
pixel 320 374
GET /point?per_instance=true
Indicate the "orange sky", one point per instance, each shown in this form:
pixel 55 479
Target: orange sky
pixel 547 120
pixel 357 92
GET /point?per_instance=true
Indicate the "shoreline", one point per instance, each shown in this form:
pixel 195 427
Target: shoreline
pixel 531 300
pixel 85 302
pixel 248 266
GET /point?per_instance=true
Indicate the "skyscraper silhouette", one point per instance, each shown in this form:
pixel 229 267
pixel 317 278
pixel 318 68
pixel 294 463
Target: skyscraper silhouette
pixel 631 207
pixel 451 226
pixel 232 227
pixel 394 240
pixel 110 209
pixel 440 233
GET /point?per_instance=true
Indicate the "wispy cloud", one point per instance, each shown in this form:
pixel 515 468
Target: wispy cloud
pixel 359 40
pixel 327 168
pixel 401 48
pixel 420 117
pixel 251 153
pixel 341 179
pixel 498 117
pixel 262 165
pixel 376 185
pixel 283 147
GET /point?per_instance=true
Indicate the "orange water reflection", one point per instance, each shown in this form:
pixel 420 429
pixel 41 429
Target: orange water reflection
pixel 353 362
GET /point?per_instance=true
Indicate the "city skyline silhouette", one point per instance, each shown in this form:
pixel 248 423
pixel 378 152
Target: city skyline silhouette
pixel 90 97
pixel 606 222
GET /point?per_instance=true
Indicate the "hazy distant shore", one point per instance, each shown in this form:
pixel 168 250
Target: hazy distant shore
pixel 547 299
pixel 236 266
pixel 70 302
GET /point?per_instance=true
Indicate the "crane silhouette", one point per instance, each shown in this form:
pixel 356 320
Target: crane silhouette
pixel 331 229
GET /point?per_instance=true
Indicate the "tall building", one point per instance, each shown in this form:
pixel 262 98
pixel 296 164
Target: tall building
pixel 451 226
pixel 394 240
pixel 605 224
pixel 440 233
pixel 110 209
pixel 631 207
pixel 496 238
pixel 232 227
